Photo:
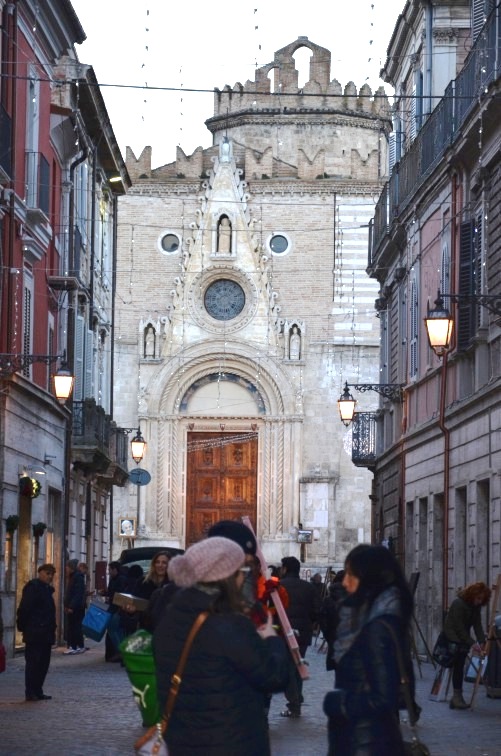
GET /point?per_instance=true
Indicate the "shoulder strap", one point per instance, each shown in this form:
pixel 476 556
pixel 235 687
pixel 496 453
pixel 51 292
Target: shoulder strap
pixel 404 679
pixel 177 676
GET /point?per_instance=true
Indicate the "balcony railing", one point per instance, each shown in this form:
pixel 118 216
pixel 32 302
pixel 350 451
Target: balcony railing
pixel 440 130
pixel 363 443
pixel 97 445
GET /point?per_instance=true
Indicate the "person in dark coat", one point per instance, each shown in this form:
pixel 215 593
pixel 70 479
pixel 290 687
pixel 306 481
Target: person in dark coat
pixel 117 583
pixel 303 611
pixel 329 615
pixel 363 708
pixel 36 620
pixel 74 607
pixel 219 708
pixel 462 617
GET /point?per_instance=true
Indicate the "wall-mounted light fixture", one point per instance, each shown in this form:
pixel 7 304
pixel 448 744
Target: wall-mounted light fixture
pixel 137 444
pixel 63 379
pixel 346 403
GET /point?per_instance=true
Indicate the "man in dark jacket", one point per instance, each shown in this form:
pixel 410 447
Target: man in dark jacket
pixel 74 607
pixel 36 620
pixel 302 611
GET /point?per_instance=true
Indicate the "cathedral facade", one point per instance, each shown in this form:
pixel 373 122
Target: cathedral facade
pixel 243 306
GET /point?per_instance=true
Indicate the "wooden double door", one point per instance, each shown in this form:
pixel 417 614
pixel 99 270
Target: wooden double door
pixel 221 481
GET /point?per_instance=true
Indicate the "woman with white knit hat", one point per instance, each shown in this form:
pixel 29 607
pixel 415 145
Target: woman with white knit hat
pixel 219 710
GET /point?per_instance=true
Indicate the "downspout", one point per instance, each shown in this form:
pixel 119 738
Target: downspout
pixel 70 349
pixel 92 236
pixel 112 364
pixel 428 56
pixel 10 12
pixel 446 434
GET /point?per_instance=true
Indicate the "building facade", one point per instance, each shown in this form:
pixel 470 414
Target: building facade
pixel 57 246
pixel 242 308
pixel 435 229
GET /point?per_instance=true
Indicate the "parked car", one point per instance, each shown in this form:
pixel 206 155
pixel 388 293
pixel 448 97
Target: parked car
pixel 144 554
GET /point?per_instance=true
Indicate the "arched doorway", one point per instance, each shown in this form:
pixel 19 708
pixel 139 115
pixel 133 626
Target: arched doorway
pixel 221 480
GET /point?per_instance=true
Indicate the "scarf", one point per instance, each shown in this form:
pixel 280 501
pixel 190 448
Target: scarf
pixel 353 619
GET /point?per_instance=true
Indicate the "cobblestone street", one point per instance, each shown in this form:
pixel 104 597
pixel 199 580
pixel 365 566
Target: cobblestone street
pixel 93 713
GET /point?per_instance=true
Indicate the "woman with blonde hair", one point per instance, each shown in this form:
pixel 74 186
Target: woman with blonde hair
pixel 463 615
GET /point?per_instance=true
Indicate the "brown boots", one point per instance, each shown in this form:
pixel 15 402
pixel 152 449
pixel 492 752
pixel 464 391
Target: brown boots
pixel 457 700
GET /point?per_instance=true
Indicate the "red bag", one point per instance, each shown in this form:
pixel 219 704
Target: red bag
pixel 3 657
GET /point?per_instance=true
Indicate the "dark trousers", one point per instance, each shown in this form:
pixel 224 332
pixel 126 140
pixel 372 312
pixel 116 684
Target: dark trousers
pixel 75 634
pixel 294 689
pixel 37 656
pixel 458 671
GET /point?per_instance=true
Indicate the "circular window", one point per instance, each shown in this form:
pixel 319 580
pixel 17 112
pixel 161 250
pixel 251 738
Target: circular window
pixel 224 299
pixel 169 243
pixel 279 244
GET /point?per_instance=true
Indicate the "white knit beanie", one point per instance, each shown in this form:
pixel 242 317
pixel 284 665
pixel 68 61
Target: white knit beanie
pixel 206 562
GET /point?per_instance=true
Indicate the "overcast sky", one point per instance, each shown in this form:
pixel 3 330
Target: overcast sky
pixel 189 45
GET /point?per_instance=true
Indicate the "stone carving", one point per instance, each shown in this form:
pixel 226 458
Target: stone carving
pixel 224 236
pixel 294 344
pixel 149 342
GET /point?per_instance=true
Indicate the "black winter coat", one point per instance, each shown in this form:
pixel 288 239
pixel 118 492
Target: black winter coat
pixel 220 708
pixel 36 614
pixel 363 716
pixel 304 607
pixel 75 595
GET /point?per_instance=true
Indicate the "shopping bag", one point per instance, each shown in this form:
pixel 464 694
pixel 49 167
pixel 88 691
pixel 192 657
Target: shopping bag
pixel 96 621
pixel 137 656
pixel 475 664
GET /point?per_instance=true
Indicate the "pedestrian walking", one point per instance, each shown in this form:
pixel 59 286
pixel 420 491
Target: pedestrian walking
pixel 303 611
pixel 363 708
pixel 36 620
pixel 117 583
pixel 329 615
pixel 464 615
pixel 219 708
pixel 74 607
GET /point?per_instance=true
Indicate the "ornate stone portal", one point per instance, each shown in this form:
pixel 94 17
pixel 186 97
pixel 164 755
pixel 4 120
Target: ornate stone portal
pixel 249 264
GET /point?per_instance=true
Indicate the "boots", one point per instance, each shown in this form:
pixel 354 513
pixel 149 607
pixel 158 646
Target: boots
pixel 457 700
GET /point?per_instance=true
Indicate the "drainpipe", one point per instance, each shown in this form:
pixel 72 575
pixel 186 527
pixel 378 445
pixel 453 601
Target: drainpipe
pixel 112 336
pixel 428 57
pixel 92 236
pixel 10 63
pixel 446 434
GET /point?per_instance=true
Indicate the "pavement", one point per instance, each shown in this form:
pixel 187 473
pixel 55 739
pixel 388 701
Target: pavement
pixel 92 713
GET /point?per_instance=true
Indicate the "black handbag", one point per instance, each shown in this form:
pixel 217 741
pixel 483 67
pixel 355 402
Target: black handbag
pixel 445 651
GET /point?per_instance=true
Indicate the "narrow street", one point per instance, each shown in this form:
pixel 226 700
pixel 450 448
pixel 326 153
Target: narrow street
pixel 92 713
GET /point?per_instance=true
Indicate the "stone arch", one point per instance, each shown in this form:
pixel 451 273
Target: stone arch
pixel 196 363
pixel 277 420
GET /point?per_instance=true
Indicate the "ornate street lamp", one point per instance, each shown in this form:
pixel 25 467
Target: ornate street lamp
pixel 63 383
pixel 439 324
pixel 138 446
pixel 346 404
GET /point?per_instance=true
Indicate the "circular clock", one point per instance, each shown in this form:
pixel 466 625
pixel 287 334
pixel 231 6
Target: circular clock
pixel 224 299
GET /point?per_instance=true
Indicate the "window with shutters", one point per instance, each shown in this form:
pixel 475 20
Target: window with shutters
pixel 412 123
pixel 27 324
pixel 78 390
pixel 402 324
pixel 418 99
pixel 383 378
pixel 413 329
pixel 471 271
pixel 479 11
pixel 445 270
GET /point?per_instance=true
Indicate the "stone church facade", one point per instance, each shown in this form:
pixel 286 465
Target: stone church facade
pixel 242 307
